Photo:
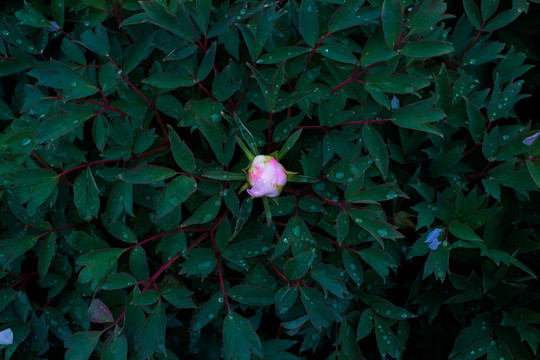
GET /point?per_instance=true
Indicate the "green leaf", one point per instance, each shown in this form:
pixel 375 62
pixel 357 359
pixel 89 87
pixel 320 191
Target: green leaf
pixel 34 186
pixel 207 312
pixel 437 263
pixel 120 231
pixel 379 260
pixel 147 174
pixel 153 333
pixel 391 311
pixel 239 338
pixel 426 48
pixel 58 125
pixel 419 116
pixel 319 314
pixel 309 22
pixel 178 23
pixel 225 175
pixel 46 254
pixel 252 295
pixel 354 268
pixel 119 281
pixel 281 54
pixel 503 19
pixel 204 10
pixel 498 256
pixel 374 194
pixel 352 14
pixel 14 248
pixel 35 221
pixel 387 342
pixel 377 148
pixel 285 298
pixel 502 102
pixel 81 345
pixel 31 17
pixel 365 324
pixel 179 297
pixel 426 14
pixel 178 191
pixel 534 171
pixel 297 267
pixel 58 75
pixel 488 8
pixel 115 347
pixel 86 195
pixel 337 52
pixel 329 277
pixel 120 198
pixel 376 50
pixel 169 81
pixel 392 19
pixel 288 144
pixel 224 86
pixel 201 261
pixel 170 106
pixel 97 41
pixel 270 87
pixel 342 226
pixel 207 62
pixel 181 152
pixel 462 231
pixel 297 235
pixel 97 265
pixel 473 13
pixel 137 52
pixel 206 212
pixel 98 4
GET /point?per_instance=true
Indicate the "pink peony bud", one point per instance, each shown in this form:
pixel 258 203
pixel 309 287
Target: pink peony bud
pixel 266 177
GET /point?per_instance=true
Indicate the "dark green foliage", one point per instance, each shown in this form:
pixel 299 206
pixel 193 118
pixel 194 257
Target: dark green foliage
pixel 407 228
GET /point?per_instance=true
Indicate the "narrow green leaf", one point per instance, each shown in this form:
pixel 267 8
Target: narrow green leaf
pixel 426 48
pixel 86 195
pixel 503 19
pixel 488 8
pixel 288 144
pixel 337 52
pixel 392 20
pixel 206 212
pixel 181 152
pixel 169 81
pixel 377 148
pixel 376 50
pixel 309 22
pixel 147 174
pixel 462 231
pixel 207 62
pixel 473 13
pixel 281 54
pixel 46 254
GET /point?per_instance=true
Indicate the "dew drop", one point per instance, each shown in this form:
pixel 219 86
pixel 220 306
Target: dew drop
pixel 296 230
pixel 382 232
pixel 340 175
pixel 26 141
